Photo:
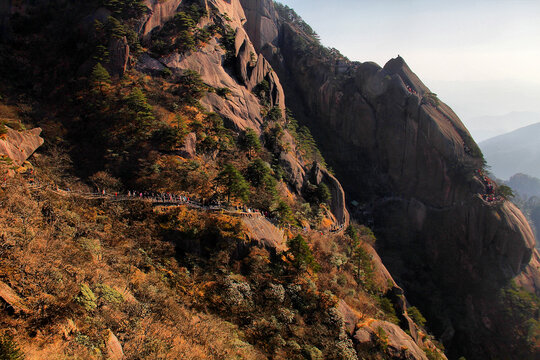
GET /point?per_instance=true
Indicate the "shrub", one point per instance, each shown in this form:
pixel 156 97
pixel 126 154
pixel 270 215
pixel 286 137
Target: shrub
pixel 381 338
pixel 262 90
pixel 303 257
pixel 86 298
pixel 389 310
pixel 126 8
pixel 283 213
pixel 431 99
pixel 100 78
pixel 234 183
pixel 251 142
pixel 223 92
pixel 257 171
pixel 506 191
pixel 9 350
pixel 363 264
pixel 417 316
pixel 109 295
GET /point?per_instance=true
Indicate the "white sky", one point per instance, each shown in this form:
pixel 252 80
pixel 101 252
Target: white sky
pixel 494 44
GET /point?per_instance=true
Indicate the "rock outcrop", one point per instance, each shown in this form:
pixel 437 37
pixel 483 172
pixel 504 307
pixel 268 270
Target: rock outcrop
pixel 241 108
pixel 337 200
pixel 409 160
pixel 19 145
pixel 13 301
pixel 265 234
pixel 114 348
pixel 118 56
pixel 159 13
pixel 368 333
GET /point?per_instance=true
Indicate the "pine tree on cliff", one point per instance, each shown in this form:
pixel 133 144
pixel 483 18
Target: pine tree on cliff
pixel 234 183
pixel 100 78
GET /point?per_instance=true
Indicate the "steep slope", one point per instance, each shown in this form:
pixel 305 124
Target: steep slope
pixel 408 159
pixel 171 98
pixel 141 101
pixel 515 152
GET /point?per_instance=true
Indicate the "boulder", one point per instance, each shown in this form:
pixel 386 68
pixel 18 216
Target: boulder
pixel 265 234
pixel 114 348
pixel 20 145
pixel 10 297
pixel 398 344
pixel 149 65
pixel 294 171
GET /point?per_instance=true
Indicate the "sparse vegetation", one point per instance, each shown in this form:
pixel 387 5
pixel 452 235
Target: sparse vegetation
pixel 505 191
pixel 417 316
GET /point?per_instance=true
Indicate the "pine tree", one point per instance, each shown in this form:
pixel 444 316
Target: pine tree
pixel 234 183
pixel 139 107
pixel 303 257
pixel 100 78
pixel 251 142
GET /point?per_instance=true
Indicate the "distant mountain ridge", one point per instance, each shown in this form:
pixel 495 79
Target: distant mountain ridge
pixel 514 152
pixel 486 127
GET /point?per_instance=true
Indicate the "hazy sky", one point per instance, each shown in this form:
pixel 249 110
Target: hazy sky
pixel 491 45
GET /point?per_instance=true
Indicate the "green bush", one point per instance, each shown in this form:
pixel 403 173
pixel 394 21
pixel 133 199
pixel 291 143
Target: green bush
pixel 86 298
pixel 303 257
pixel 126 8
pixel 109 295
pixel 283 213
pixel 389 310
pixel 9 350
pixel 417 316
pixel 234 183
pixel 505 191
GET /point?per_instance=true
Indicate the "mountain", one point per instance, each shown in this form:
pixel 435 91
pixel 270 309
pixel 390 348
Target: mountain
pixel 514 152
pixel 194 194
pixel 409 160
pixel 485 127
pixel 474 99
pixel 524 185
pixel 527 197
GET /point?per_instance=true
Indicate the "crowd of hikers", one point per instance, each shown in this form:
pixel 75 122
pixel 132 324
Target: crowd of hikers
pixel 411 90
pixel 489 185
pixel 168 198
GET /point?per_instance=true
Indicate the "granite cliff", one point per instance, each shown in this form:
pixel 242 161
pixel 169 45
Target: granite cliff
pixel 410 162
pixel 215 72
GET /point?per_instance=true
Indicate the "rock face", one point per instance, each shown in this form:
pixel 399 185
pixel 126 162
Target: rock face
pixel 408 158
pixel 19 145
pixel 262 24
pixel 159 13
pixel 240 108
pixel 118 56
pixel 114 348
pixel 265 234
pixel 337 201
pixel 368 333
